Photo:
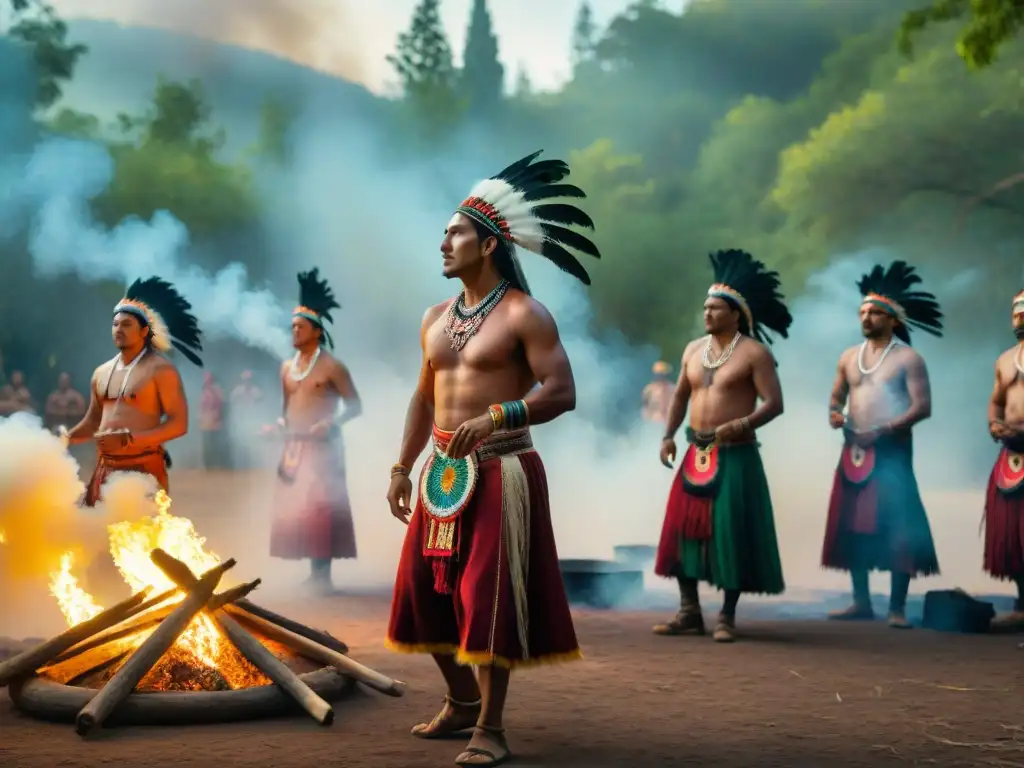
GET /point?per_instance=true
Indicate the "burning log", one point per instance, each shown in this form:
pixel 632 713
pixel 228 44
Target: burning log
pixel 28 662
pixel 273 668
pixel 156 645
pixel 317 652
pixel 242 607
pixel 151 619
pixel 249 646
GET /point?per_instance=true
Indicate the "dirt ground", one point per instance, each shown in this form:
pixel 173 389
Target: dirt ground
pixel 789 694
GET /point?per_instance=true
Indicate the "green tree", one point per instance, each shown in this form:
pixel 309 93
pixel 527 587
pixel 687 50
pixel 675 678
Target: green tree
pixel 167 158
pixel 523 89
pixel 990 25
pixel 423 61
pixel 34 23
pixel 483 77
pixel 273 143
pixel 584 33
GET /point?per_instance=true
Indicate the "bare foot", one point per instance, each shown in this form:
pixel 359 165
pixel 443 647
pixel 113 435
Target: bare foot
pixel 454 716
pixel 685 623
pixel 854 613
pixel 487 747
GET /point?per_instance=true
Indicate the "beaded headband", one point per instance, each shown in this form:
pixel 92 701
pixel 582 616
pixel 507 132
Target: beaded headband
pixel 145 315
pixel 887 305
pixel 723 291
pixel 309 314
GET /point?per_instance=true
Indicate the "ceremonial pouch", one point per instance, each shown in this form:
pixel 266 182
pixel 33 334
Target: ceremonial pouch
pixel 1009 472
pixel 291 458
pixel 857 464
pixel 700 470
pixel 446 488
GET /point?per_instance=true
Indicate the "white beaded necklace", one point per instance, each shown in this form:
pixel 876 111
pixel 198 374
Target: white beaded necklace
pixel 295 361
pixel 712 365
pixel 860 357
pixel 1019 360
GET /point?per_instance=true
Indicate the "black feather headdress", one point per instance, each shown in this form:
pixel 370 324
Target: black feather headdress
pixel 890 291
pixel 316 300
pixel 746 284
pixel 512 204
pixel 157 304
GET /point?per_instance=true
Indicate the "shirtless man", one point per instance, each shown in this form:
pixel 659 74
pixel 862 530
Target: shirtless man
pixel 1004 501
pixel 719 523
pixel 657 396
pixel 15 397
pixel 137 402
pixel 876 520
pixel 312 513
pixel 478 580
pixel 65 406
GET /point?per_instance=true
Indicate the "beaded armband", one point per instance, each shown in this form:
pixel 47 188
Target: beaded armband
pixel 514 414
pixel 399 469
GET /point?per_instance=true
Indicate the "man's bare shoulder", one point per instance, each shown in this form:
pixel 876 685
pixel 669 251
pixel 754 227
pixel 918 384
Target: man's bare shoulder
pixel 333 364
pixel 522 306
pixel 908 356
pixel 433 313
pixel 849 354
pixel 1009 357
pixel 755 350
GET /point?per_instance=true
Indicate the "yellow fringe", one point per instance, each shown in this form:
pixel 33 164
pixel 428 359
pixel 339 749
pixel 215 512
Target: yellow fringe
pixel 482 658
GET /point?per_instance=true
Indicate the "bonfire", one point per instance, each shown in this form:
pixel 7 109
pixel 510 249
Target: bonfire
pixel 176 651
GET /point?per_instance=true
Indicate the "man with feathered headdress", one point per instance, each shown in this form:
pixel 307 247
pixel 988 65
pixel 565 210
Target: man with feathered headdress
pixel 657 395
pixel 719 523
pixel 876 519
pixel 313 516
pixel 478 581
pixel 137 401
pixel 1004 500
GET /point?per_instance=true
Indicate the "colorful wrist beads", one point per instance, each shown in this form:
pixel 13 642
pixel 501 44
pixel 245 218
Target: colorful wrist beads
pixel 510 415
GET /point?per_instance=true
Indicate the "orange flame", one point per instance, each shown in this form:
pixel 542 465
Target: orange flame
pixel 130 546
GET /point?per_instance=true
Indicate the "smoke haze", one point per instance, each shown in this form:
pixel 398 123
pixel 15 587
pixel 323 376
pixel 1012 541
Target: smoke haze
pixel 336 208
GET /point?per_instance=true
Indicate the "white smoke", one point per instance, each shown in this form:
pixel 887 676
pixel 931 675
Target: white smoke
pixel 52 190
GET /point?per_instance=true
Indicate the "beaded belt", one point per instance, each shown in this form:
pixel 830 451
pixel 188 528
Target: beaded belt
pixel 497 445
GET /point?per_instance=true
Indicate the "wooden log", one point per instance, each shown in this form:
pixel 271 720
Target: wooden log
pixel 323 638
pixel 149 653
pixel 275 669
pixel 34 658
pixel 48 700
pixel 317 652
pixel 151 619
pixel 173 569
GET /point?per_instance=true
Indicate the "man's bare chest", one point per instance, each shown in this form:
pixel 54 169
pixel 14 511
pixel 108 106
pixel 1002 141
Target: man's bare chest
pixel 492 346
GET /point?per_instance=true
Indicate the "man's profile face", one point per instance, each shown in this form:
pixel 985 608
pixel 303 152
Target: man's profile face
pixel 127 331
pixel 17 379
pixel 461 248
pixel 875 322
pixel 304 332
pixel 1018 317
pixel 719 317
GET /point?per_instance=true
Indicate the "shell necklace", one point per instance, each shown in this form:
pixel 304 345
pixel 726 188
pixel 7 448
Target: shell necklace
pixel 309 368
pixel 860 357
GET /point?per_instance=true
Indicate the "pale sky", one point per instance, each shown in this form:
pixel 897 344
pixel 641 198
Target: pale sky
pixel 351 37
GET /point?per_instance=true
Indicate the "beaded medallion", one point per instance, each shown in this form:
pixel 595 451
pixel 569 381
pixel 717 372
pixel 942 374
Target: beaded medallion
pixel 447 484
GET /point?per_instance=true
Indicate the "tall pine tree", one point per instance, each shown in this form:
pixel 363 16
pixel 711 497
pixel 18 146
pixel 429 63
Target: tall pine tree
pixel 423 61
pixel 583 33
pixel 483 76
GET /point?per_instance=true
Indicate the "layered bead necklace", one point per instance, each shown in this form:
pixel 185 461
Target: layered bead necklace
pixel 461 322
pixel 710 366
